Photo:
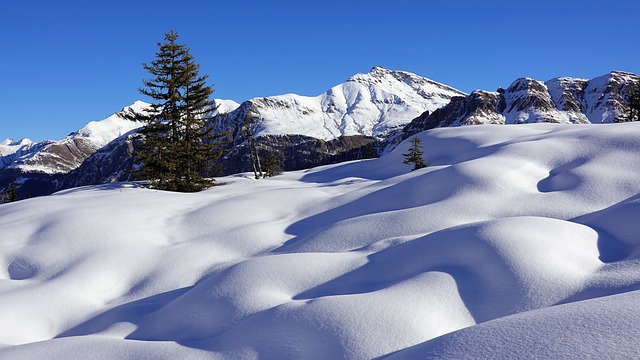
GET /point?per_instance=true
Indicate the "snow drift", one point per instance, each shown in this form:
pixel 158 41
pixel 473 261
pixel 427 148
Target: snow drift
pixel 515 242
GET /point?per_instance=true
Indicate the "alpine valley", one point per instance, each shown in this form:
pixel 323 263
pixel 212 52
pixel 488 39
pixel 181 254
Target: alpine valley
pixel 365 116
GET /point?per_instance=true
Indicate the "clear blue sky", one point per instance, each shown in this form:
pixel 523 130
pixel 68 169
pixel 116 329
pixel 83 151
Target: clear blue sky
pixel 65 63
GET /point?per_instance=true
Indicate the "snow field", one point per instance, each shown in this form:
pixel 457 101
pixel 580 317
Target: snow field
pixel 515 241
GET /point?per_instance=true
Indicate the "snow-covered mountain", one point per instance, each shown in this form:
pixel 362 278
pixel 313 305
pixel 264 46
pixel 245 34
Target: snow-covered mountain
pixel 517 242
pixel 11 150
pixel 561 100
pixel 308 131
pixel 62 156
pixel 367 113
pixel 372 104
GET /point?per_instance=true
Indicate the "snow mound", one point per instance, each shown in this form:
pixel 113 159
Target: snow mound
pixel 515 242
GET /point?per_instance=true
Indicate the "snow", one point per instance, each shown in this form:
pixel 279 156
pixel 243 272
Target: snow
pixel 18 143
pixel 225 106
pixel 516 242
pixel 103 131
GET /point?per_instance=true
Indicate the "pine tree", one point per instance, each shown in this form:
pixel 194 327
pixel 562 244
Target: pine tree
pixel 369 152
pixel 414 155
pixel 273 164
pixel 179 148
pixel 11 193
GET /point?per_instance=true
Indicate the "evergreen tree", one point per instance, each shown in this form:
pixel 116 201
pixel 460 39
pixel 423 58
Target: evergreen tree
pixel 11 193
pixel 369 152
pixel 179 148
pixel 273 164
pixel 634 105
pixel 414 155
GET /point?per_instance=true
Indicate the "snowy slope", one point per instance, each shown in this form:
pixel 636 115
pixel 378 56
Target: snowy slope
pixel 516 242
pixel 371 104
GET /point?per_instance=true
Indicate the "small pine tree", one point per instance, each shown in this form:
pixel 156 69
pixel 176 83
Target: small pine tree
pixel 634 105
pixel 273 164
pixel 414 155
pixel 369 152
pixel 11 193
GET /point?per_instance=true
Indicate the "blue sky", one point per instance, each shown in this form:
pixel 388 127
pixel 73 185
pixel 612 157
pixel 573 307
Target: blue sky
pixel 66 63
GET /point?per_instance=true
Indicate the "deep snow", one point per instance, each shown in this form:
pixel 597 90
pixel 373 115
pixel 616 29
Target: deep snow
pixel 516 242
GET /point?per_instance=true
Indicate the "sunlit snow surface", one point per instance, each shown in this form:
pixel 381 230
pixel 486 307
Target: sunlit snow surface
pixel 516 242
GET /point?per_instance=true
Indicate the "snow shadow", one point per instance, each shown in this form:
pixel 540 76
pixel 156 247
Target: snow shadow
pixel 425 187
pixel 617 228
pixel 21 269
pixel 125 313
pixel 485 283
pixel 562 177
pixel 105 187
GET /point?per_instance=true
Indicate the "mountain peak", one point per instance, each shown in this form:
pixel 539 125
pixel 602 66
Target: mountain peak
pixel 13 142
pixel 379 71
pixel 371 104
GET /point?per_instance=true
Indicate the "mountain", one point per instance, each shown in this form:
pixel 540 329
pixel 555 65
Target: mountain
pixel 561 100
pixel 372 104
pixel 59 157
pixel 368 114
pixel 11 150
pixel 517 242
pixel 337 125
pixel 38 168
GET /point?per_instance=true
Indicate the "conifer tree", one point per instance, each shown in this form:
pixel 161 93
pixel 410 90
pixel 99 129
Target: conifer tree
pixel 273 164
pixel 369 152
pixel 414 155
pixel 11 193
pixel 634 105
pixel 178 148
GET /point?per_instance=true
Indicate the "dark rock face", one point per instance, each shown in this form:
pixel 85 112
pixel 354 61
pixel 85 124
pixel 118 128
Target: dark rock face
pixel 561 100
pixel 479 107
pixel 111 163
pixel 29 184
pixel 524 94
pixel 299 152
pixel 567 93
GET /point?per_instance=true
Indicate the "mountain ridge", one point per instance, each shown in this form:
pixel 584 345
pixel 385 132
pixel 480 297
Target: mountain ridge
pixel 369 110
pixel 601 100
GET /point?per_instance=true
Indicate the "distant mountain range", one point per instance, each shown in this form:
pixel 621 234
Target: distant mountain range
pixel 373 110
